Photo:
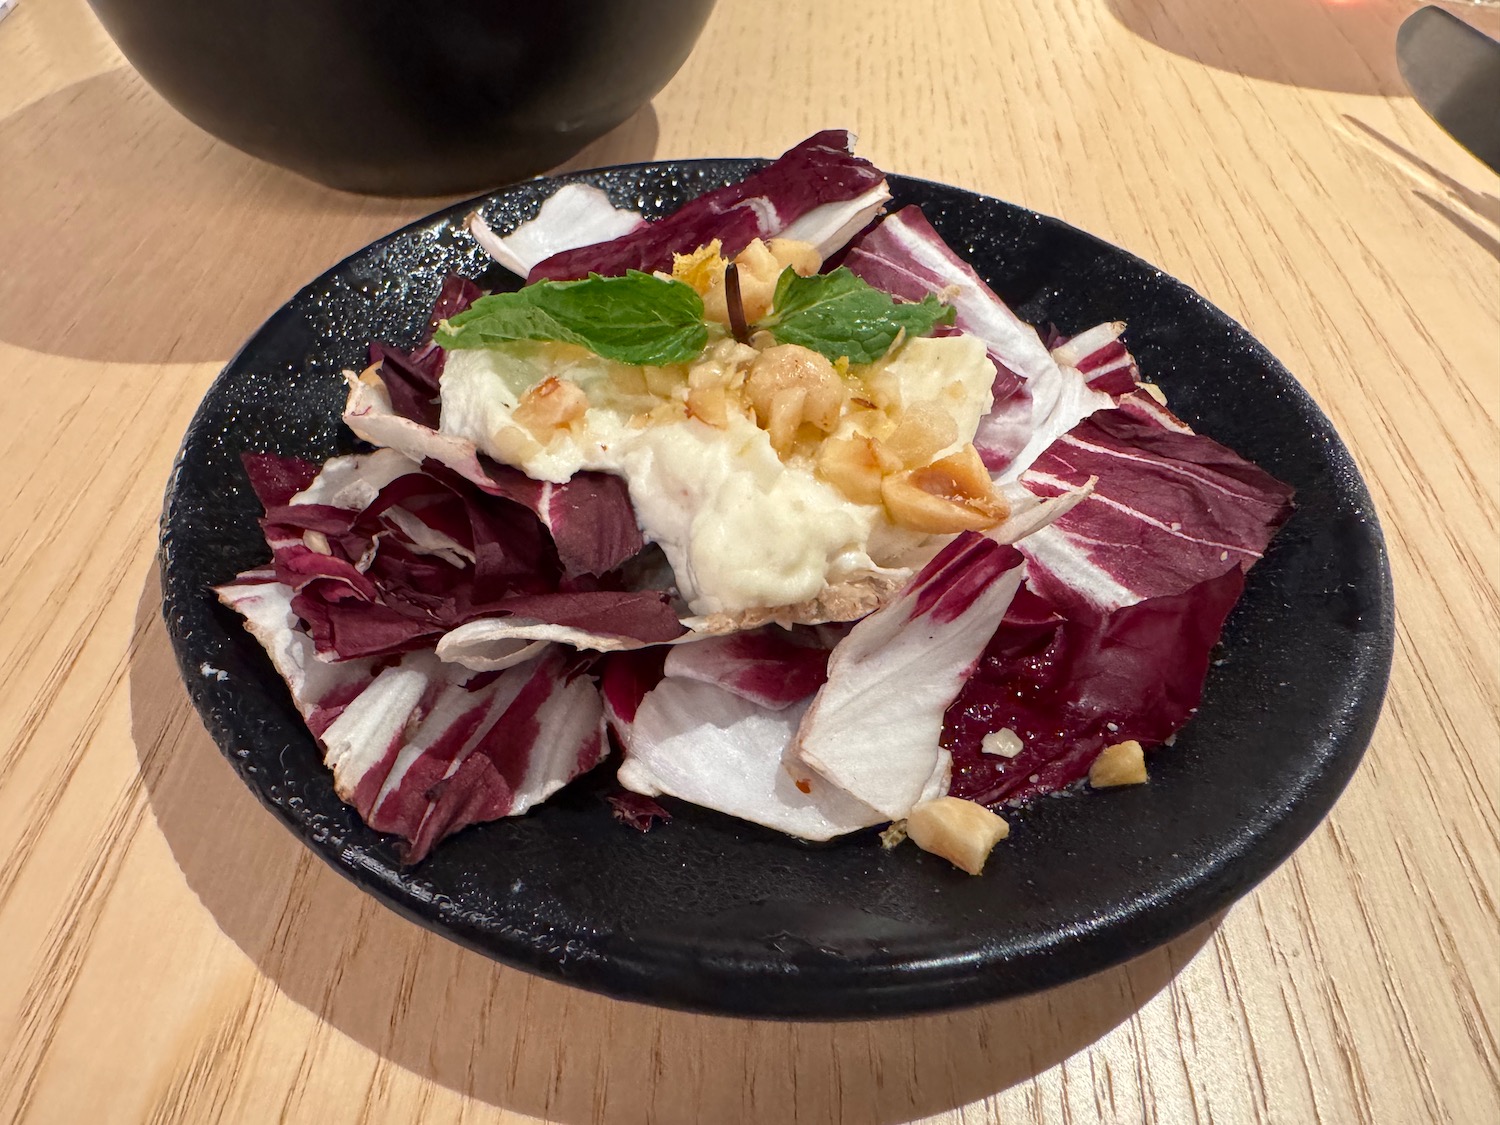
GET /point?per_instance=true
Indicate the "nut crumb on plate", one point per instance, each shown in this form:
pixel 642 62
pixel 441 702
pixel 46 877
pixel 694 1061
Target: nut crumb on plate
pixel 1124 763
pixel 960 831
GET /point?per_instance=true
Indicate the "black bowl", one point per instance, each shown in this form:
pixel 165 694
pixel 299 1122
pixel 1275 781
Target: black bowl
pixel 413 97
pixel 718 915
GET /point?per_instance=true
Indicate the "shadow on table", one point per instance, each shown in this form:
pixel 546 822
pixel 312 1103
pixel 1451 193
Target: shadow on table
pixel 1342 45
pixel 1460 204
pixel 541 1048
pixel 142 239
pixel 1476 234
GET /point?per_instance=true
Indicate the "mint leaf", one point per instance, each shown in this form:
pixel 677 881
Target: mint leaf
pixel 638 319
pixel 838 314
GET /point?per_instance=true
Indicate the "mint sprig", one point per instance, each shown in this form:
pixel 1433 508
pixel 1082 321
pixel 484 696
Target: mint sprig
pixel 644 320
pixel 637 319
pixel 839 314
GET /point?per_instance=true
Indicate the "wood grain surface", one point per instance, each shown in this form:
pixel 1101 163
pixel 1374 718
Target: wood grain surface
pixel 172 954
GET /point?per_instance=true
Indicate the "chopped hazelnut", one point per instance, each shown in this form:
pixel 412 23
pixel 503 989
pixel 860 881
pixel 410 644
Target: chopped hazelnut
pixel 951 494
pixel 513 444
pixel 921 431
pixel 663 382
pixel 788 385
pixel 1124 763
pixel 803 257
pixel 1006 743
pixel 550 405
pixel 960 831
pixel 760 266
pixel 709 405
pixel 855 465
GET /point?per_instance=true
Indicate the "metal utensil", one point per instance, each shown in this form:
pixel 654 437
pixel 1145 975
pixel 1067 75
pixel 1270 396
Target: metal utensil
pixel 1453 71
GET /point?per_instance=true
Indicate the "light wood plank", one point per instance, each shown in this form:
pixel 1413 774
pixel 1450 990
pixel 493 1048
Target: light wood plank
pixel 173 955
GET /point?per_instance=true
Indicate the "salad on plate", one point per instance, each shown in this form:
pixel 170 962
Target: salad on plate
pixel 770 505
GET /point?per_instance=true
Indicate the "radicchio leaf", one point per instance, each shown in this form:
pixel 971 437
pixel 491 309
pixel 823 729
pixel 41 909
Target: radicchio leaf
pixel 418 555
pixel 643 616
pixel 591 521
pixel 1100 356
pixel 1143 407
pixel 624 680
pixel 422 749
pixel 703 744
pixel 664 753
pixel 820 171
pixel 412 378
pixel 589 517
pixel 636 810
pixel 411 383
pixel 455 295
pixel 771 666
pixel 1070 680
pixel 1168 511
pixel 572 216
pixel 277 479
pixel 873 727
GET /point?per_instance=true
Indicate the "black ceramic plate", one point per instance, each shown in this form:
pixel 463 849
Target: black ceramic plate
pixel 713 914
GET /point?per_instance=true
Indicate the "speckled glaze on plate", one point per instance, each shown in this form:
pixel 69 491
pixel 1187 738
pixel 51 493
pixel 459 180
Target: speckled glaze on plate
pixel 712 914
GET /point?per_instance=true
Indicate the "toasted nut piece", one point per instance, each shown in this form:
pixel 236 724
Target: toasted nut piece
pixel 803 257
pixel 958 475
pixel 910 505
pixel 785 416
pixel 317 542
pixel 893 834
pixel 792 367
pixel 1005 743
pixel 758 271
pixel 666 413
pixel 513 445
pixel 921 430
pixel 760 267
pixel 627 379
pixel 960 831
pixel 663 382
pixel 709 404
pixel 710 373
pixel 855 465
pixel 548 406
pixel 1124 763
pixel 952 494
pixel 723 365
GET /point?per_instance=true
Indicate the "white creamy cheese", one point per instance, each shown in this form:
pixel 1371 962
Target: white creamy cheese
pixel 741 527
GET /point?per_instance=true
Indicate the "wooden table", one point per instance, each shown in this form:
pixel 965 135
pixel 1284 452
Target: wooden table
pixel 170 953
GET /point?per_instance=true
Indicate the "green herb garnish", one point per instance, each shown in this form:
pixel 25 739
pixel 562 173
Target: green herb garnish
pixel 642 319
pixel 838 314
pixel 638 319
